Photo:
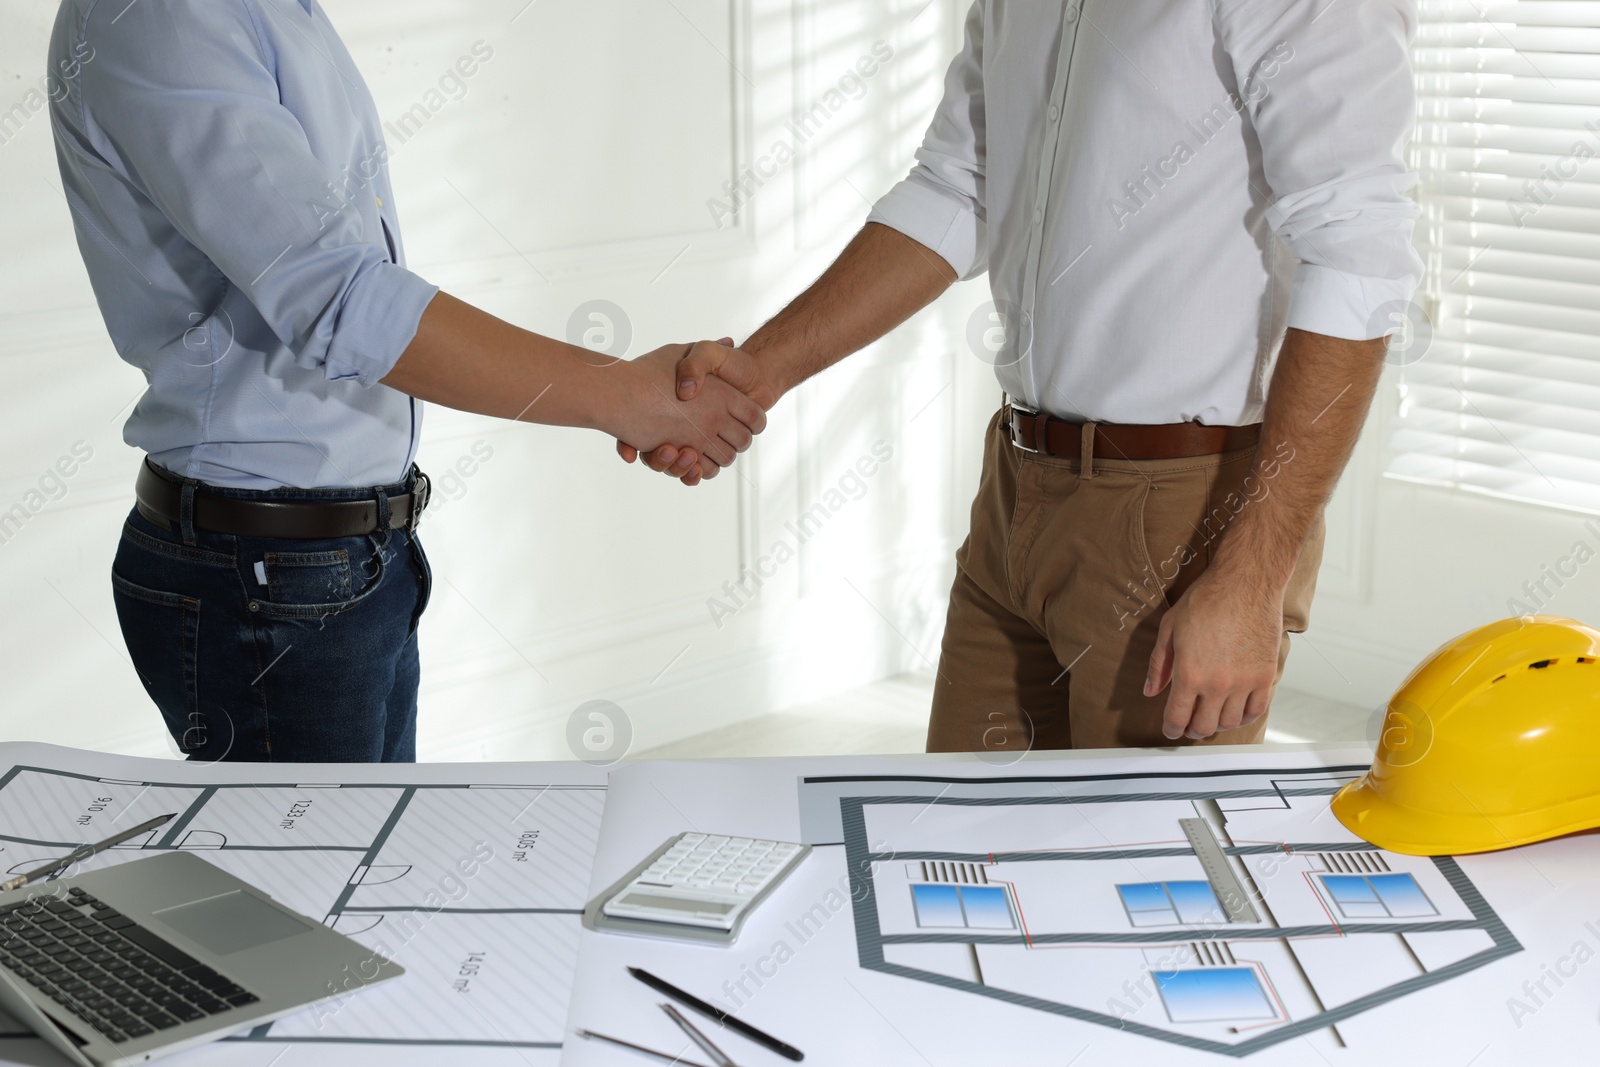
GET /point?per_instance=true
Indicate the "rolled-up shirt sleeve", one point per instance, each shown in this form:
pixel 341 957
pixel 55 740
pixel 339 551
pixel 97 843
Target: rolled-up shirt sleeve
pixel 940 203
pixel 183 101
pixel 1330 94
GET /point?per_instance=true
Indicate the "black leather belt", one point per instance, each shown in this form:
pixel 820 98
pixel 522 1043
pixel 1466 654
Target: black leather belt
pixel 160 499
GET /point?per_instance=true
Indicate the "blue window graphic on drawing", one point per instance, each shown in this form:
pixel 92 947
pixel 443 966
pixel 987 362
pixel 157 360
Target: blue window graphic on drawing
pixel 1377 896
pixel 1214 995
pixel 971 907
pixel 1171 903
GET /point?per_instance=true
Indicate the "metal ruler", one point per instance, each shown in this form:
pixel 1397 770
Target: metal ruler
pixel 1224 882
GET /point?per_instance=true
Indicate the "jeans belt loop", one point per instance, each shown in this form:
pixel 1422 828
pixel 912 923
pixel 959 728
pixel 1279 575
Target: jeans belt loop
pixel 1086 451
pixel 186 513
pixel 382 532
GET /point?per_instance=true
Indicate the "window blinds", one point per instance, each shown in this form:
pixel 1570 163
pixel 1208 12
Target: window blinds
pixel 1500 363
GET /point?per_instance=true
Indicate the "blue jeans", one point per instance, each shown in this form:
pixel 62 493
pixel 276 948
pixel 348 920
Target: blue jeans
pixel 282 650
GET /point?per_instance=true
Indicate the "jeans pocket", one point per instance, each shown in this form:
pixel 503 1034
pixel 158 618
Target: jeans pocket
pixel 162 633
pixel 301 585
pixel 308 577
pixel 424 580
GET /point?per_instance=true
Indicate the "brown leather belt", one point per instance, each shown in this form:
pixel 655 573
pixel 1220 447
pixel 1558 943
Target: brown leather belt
pixel 160 499
pixel 1051 436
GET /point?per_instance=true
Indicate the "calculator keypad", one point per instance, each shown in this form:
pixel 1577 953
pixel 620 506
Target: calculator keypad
pixel 735 865
pixel 705 880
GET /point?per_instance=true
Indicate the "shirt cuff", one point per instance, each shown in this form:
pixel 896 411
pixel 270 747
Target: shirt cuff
pixel 1352 307
pixel 378 321
pixel 939 222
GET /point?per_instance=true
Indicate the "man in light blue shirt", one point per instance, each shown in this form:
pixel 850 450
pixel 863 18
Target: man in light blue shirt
pixel 227 175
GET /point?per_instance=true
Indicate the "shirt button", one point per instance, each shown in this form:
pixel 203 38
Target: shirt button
pixel 1055 113
pixel 1038 215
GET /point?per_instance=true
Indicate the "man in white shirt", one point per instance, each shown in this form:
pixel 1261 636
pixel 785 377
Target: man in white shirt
pixel 1178 205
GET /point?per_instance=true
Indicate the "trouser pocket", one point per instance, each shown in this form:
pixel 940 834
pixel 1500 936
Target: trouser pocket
pixel 424 578
pixel 162 632
pixel 322 583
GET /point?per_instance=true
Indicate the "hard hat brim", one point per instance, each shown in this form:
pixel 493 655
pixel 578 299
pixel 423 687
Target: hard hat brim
pixel 1363 810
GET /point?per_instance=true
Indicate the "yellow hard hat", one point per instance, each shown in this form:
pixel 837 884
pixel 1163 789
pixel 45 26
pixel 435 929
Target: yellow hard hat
pixel 1493 741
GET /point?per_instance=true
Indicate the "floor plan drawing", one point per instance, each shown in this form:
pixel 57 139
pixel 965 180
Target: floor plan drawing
pixel 475 887
pixel 1225 912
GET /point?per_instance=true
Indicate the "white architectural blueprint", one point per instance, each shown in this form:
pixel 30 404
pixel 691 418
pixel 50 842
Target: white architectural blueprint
pixel 377 854
pixel 1101 910
pixel 1091 897
pixel 1088 909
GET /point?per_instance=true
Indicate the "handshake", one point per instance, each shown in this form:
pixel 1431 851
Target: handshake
pixel 689 410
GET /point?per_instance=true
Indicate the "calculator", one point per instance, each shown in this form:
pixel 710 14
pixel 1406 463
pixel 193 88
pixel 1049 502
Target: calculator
pixel 698 886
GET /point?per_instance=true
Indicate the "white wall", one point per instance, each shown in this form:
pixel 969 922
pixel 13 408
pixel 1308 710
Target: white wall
pixel 577 167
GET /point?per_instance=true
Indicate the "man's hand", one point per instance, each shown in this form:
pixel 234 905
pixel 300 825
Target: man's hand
pixel 881 279
pixel 725 366
pixel 739 369
pixel 1218 648
pixel 1218 645
pixel 702 434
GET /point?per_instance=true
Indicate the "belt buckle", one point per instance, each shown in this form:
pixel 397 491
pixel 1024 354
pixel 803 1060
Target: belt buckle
pixel 421 493
pixel 1011 424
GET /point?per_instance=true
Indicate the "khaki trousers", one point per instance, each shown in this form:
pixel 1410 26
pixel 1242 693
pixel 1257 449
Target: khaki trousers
pixel 1061 585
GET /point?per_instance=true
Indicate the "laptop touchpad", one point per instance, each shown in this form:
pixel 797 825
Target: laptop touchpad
pixel 231 922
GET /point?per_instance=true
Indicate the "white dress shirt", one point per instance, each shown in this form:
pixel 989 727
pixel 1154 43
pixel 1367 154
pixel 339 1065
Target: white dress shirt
pixel 1159 189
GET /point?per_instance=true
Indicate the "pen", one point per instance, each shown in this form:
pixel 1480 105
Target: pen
pixel 718 1057
pixel 738 1026
pixel 667 1056
pixel 82 853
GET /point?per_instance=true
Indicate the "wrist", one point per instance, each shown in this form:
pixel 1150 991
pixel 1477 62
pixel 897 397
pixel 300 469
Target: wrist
pixel 1243 560
pixel 777 364
pixel 607 399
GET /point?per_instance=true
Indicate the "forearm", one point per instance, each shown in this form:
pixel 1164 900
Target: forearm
pixel 1320 393
pixel 467 359
pixel 881 279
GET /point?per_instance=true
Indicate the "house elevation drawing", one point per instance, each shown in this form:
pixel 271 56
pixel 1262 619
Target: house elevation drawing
pixel 1222 911
pixel 476 888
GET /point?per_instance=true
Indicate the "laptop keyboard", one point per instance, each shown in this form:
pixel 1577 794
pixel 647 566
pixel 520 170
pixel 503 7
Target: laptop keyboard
pixel 109 971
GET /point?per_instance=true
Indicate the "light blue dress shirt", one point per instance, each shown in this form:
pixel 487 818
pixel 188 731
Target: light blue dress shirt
pixel 228 180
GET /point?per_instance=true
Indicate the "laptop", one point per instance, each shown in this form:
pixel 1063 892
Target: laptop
pixel 150 957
